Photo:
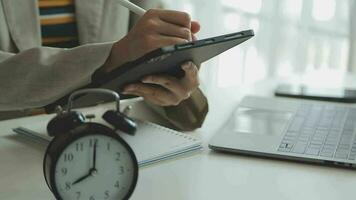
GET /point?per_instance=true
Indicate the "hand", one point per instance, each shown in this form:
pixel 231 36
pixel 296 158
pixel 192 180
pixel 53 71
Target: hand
pixel 94 156
pixel 172 90
pixel 157 28
pixel 92 171
pixel 82 178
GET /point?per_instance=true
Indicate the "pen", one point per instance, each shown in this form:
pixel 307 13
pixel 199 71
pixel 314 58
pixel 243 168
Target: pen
pixel 32 135
pixel 132 7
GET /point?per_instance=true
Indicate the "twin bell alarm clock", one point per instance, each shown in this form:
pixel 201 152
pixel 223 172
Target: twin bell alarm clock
pixel 88 160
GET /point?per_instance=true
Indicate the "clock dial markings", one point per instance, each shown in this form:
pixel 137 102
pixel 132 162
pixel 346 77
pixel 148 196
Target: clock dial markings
pixel 102 158
pixel 108 145
pixel 78 194
pixel 107 194
pixel 79 146
pixel 68 157
pixel 64 171
pixel 118 156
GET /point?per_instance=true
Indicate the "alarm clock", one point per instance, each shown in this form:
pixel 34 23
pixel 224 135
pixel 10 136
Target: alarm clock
pixel 88 160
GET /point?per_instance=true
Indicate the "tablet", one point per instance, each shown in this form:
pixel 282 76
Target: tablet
pixel 165 60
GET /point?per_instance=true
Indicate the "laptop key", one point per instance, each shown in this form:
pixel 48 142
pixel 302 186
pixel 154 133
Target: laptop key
pixel 344 146
pixel 303 138
pixel 331 142
pixel 353 150
pixel 315 146
pixel 299 147
pixel 316 142
pixel 296 124
pixel 330 146
pixel 341 154
pixel 283 150
pixel 307 131
pixel 291 134
pixel 312 151
pixel 285 147
pixel 328 154
pixel 288 139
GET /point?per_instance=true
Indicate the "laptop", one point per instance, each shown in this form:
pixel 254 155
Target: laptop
pixel 298 130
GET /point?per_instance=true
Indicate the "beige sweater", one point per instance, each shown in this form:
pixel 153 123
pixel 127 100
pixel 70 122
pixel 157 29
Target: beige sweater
pixel 34 76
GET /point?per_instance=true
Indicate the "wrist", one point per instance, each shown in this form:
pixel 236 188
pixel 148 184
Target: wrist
pixel 119 55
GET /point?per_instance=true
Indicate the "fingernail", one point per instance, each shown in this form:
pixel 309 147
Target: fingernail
pixel 147 79
pixel 129 88
pixel 187 66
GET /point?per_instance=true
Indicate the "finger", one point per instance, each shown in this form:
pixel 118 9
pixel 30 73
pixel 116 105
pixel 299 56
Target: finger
pixel 153 93
pixel 175 17
pixel 170 83
pixel 155 101
pixel 169 29
pixel 194 38
pixel 195 27
pixel 162 40
pixel 191 79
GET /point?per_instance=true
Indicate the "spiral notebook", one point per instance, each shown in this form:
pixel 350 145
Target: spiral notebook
pixel 151 143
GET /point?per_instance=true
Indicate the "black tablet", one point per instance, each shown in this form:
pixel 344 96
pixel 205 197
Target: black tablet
pixel 165 60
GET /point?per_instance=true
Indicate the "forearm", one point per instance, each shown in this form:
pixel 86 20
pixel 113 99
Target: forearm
pixel 38 76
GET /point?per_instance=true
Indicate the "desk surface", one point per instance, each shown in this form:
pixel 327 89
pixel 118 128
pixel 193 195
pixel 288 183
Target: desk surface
pixel 204 175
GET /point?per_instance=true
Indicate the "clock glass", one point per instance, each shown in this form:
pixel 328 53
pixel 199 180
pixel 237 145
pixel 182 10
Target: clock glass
pixel 95 167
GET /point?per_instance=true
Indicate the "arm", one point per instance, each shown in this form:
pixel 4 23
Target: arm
pixel 39 76
pixel 179 101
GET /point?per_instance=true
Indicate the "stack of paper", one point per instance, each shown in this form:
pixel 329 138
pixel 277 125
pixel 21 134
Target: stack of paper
pixel 151 143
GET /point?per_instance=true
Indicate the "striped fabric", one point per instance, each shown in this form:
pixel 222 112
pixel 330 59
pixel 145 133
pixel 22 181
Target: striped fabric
pixel 58 24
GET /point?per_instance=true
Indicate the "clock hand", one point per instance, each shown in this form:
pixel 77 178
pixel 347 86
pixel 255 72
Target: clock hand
pixel 94 156
pixel 92 171
pixel 82 178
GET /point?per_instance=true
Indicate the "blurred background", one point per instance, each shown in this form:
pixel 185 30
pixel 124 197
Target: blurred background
pixel 310 41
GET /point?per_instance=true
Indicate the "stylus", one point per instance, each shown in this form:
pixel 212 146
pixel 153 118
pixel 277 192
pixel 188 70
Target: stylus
pixel 132 7
pixel 32 135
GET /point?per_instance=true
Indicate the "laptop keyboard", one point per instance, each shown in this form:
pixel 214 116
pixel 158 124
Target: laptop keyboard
pixel 321 130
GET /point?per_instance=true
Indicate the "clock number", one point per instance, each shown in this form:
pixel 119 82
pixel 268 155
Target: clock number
pixel 78 195
pixel 108 146
pixel 92 142
pixel 79 146
pixel 118 156
pixel 117 185
pixel 122 170
pixel 64 171
pixel 107 194
pixel 91 198
pixel 68 157
pixel 68 186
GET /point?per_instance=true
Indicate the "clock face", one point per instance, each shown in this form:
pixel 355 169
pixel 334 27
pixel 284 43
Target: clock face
pixel 95 167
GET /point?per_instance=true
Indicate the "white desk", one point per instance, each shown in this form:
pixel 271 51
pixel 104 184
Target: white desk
pixel 205 175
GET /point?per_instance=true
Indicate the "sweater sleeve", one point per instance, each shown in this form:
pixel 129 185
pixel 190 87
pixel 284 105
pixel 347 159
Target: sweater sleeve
pixel 188 115
pixel 39 76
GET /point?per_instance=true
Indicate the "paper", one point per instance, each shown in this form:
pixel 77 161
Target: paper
pixel 151 143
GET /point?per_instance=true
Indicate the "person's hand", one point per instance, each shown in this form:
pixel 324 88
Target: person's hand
pixel 158 28
pixel 172 90
pixel 155 29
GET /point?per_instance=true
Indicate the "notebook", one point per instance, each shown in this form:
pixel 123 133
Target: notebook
pixel 151 143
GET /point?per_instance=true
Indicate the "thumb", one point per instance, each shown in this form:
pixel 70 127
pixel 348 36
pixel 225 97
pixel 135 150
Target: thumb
pixel 195 27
